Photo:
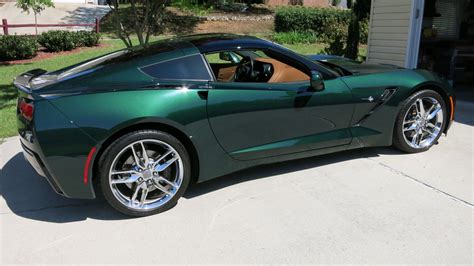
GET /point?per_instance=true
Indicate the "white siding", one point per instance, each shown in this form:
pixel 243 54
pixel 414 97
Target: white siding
pixel 389 31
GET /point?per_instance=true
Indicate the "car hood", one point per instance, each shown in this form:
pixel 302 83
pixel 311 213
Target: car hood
pixel 356 68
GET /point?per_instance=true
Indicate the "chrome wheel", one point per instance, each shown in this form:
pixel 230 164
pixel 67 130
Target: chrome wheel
pixel 422 122
pixel 146 174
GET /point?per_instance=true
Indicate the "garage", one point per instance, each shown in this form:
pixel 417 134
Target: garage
pixel 437 35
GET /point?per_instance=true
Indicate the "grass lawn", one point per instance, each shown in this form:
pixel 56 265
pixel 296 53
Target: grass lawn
pixel 8 93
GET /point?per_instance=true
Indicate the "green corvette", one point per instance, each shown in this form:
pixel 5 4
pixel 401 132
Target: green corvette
pixel 139 125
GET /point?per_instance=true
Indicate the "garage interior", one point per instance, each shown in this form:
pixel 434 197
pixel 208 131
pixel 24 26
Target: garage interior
pixel 447 41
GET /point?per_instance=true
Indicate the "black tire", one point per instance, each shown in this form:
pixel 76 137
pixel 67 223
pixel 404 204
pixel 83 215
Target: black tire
pixel 107 158
pixel 398 137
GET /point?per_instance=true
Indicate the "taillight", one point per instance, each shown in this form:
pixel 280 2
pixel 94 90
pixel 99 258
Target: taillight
pixel 26 109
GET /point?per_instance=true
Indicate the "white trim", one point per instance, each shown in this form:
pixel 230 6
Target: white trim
pixel 413 43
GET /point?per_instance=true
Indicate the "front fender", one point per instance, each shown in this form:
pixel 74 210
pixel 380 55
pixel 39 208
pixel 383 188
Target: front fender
pixel 373 125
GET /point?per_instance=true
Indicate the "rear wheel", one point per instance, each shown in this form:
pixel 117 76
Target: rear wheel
pixel 420 122
pixel 144 172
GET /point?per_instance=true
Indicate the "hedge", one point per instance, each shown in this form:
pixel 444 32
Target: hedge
pixel 87 38
pixel 304 19
pixel 14 47
pixel 320 21
pixel 61 40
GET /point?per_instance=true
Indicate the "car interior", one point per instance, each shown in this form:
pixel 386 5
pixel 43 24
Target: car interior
pixel 252 66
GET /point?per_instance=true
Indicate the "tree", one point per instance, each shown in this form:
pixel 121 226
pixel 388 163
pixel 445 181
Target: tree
pixel 36 6
pixel 349 3
pixel 335 2
pixel 145 17
pixel 360 11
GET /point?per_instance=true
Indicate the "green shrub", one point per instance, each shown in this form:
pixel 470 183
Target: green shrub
pixel 317 20
pixel 364 31
pixel 232 7
pixel 13 47
pixel 58 40
pixel 294 37
pixel 86 38
pixel 336 40
pixel 192 7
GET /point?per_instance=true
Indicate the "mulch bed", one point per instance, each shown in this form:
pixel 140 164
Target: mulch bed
pixel 42 54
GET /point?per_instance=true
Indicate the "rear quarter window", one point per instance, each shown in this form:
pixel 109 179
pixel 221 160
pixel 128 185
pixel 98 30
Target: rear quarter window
pixel 190 67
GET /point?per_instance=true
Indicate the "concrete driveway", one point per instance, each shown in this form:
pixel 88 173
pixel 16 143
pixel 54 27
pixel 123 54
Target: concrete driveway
pixel 68 13
pixel 365 206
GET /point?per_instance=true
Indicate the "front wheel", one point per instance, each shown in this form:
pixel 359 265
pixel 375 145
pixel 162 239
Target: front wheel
pixel 144 172
pixel 420 122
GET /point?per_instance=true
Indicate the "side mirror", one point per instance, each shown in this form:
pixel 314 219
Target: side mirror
pixel 229 57
pixel 317 81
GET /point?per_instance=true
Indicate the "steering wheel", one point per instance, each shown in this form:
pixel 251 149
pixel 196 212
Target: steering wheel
pixel 245 70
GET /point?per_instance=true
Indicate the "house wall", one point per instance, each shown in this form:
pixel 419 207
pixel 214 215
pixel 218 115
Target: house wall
pixel 389 29
pixel 313 3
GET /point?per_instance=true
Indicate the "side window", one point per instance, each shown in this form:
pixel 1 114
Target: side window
pixel 189 67
pixel 253 66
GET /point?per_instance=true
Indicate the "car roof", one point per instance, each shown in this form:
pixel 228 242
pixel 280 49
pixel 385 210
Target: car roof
pixel 212 42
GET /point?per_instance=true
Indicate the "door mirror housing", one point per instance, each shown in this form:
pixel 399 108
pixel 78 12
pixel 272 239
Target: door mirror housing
pixel 229 57
pixel 317 81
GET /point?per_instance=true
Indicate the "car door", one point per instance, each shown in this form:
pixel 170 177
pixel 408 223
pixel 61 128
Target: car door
pixel 257 120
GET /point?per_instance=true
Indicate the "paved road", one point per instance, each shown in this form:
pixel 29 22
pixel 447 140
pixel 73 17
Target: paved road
pixel 365 206
pixel 68 13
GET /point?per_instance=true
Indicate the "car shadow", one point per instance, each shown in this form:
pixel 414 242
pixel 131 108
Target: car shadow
pixel 29 195
pixel 269 170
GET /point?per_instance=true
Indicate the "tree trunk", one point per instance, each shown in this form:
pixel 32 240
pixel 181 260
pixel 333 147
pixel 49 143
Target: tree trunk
pixel 36 24
pixel 352 47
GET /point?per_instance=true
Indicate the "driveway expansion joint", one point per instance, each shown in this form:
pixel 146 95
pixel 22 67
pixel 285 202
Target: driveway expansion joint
pixel 423 183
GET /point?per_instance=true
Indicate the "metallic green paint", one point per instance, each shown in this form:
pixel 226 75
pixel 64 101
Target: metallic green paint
pixel 245 116
pixel 230 125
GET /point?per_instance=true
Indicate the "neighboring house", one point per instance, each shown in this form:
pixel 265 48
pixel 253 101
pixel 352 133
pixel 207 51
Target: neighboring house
pixel 433 34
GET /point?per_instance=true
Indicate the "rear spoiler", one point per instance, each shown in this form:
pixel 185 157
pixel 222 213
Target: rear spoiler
pixel 23 81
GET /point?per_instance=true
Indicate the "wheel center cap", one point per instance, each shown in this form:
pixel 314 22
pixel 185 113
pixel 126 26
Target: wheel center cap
pixel 147 174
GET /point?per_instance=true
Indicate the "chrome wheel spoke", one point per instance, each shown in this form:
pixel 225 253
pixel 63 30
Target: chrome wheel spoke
pixel 410 128
pixel 144 154
pixel 126 180
pixel 125 172
pixel 157 179
pixel 144 195
pixel 162 158
pixel 136 158
pixel 416 139
pixel 165 165
pixel 161 188
pixel 429 132
pixel 420 108
pixel 434 113
pixel 133 198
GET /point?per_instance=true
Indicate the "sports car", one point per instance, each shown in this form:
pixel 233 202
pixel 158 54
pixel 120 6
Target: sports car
pixel 141 124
